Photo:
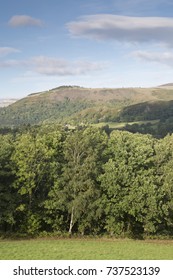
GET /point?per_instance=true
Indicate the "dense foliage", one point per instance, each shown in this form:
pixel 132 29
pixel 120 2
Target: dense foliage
pixel 54 180
pixel 158 129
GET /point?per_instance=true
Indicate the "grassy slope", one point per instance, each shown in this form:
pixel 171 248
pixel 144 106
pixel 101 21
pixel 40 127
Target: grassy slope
pixel 122 124
pixel 77 105
pixel 80 249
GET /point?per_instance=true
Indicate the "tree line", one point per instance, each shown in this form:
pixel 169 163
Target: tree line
pixel 84 181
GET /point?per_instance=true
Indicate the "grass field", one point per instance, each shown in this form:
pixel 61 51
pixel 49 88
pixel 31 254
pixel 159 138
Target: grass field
pixel 123 124
pixel 86 249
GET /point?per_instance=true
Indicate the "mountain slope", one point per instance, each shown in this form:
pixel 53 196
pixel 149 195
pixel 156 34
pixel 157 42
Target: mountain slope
pixel 145 111
pixel 74 105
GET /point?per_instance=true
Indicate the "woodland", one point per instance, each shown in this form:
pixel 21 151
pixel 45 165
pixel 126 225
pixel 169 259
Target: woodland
pixel 85 181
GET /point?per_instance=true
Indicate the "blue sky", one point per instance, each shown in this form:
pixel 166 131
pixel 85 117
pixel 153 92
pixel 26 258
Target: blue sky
pixel 93 43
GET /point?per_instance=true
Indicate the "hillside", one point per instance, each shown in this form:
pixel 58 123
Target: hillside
pixel 169 85
pixel 76 105
pixel 145 111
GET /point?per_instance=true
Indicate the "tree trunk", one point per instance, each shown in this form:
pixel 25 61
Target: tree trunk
pixel 71 221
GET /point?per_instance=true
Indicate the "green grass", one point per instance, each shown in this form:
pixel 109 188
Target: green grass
pixel 85 249
pixel 123 124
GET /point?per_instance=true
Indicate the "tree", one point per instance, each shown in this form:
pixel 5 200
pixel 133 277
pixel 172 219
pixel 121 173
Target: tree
pixel 128 184
pixel 74 195
pixel 164 165
pixel 37 166
pixel 8 196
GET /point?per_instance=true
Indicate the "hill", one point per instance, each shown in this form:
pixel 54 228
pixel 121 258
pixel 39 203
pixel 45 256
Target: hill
pixel 76 105
pixel 151 110
pixel 169 85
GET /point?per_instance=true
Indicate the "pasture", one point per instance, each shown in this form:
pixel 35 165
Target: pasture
pixel 86 249
pixel 116 125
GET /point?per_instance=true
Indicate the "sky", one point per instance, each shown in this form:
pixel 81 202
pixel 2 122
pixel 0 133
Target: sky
pixel 90 43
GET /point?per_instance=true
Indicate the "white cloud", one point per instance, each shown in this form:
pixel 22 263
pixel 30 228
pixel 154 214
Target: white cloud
pixel 7 50
pixel 53 66
pixel 123 28
pixel 24 20
pixel 50 66
pixel 164 57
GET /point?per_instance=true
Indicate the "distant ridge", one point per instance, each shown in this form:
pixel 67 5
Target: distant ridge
pixel 169 85
pixel 6 102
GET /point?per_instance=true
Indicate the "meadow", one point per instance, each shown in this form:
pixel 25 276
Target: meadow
pixel 116 125
pixel 86 249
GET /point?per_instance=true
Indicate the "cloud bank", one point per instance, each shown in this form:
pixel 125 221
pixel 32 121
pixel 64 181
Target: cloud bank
pixel 164 58
pixel 51 66
pixel 123 28
pixel 24 20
